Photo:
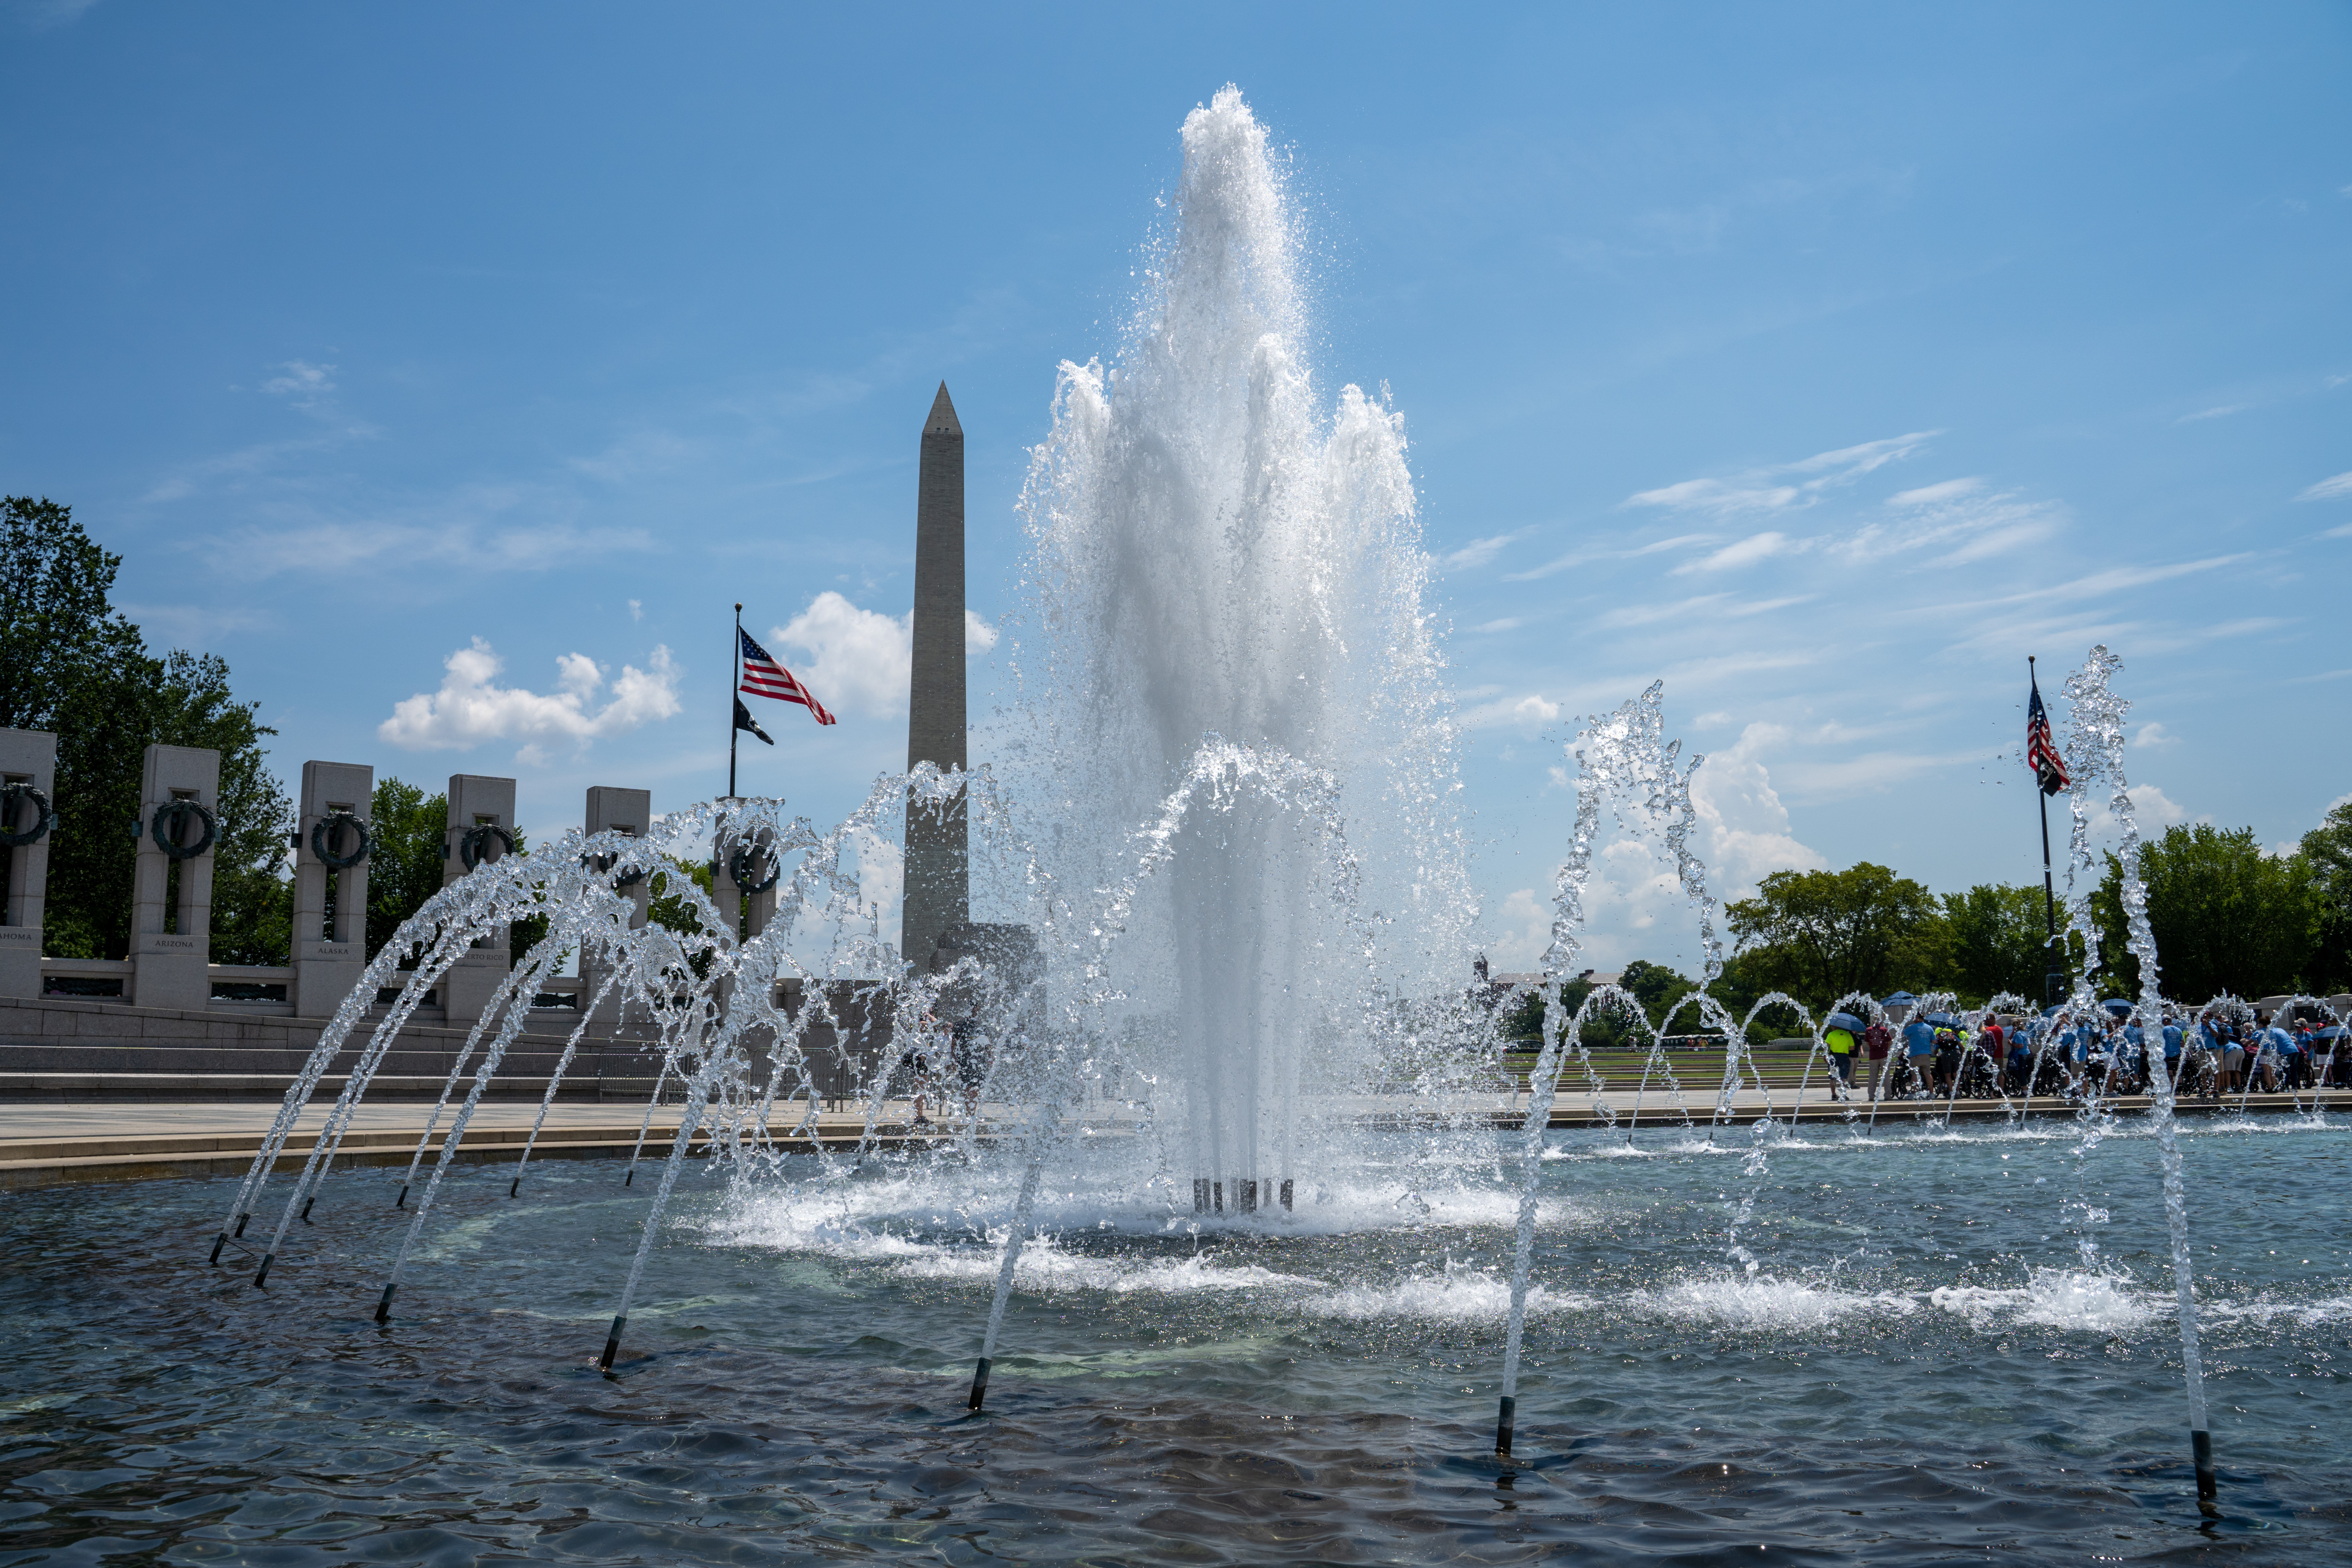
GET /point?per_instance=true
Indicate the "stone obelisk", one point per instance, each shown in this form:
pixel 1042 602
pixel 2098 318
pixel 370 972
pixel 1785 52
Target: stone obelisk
pixel 939 847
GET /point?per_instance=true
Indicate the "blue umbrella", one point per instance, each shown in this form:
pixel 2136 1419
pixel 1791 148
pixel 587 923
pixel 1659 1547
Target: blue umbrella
pixel 1900 999
pixel 1846 1021
pixel 1941 1021
pixel 2117 1005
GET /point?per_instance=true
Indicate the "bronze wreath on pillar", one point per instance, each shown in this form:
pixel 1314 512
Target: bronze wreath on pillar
pixel 172 817
pixel 329 829
pixel 44 816
pixel 743 865
pixel 601 863
pixel 476 839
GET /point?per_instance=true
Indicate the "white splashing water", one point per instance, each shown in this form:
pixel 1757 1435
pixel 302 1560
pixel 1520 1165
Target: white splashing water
pixel 1219 553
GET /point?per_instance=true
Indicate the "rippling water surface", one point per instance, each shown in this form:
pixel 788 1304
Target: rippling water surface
pixel 1951 1348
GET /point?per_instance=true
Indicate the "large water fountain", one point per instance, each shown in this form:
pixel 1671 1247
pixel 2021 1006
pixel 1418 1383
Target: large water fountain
pixel 1245 1207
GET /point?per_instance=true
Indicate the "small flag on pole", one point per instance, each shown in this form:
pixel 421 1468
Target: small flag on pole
pixel 2041 752
pixel 743 721
pixel 763 677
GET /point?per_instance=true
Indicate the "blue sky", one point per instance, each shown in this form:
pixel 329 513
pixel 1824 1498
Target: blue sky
pixel 1824 361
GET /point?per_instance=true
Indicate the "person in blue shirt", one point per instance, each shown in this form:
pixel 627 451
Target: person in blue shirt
pixel 2172 1040
pixel 2229 1053
pixel 2273 1050
pixel 1919 1047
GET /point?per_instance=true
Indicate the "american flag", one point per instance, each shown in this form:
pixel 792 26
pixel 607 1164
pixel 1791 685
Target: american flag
pixel 763 677
pixel 2041 752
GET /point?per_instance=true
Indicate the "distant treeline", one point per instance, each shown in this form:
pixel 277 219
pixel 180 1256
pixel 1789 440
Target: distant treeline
pixel 2226 916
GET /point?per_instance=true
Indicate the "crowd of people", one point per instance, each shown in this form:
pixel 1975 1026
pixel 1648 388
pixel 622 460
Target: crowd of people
pixel 2089 1054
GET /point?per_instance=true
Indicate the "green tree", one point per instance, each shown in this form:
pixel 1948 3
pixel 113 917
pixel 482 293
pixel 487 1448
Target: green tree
pixel 1994 940
pixel 70 664
pixel 2225 916
pixel 1818 935
pixel 2327 851
pixel 405 863
pixel 406 866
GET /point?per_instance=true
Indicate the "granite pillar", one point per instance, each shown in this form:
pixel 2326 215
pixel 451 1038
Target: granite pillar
pixel 477 802
pixel 171 893
pixel 27 757
pixel 327 962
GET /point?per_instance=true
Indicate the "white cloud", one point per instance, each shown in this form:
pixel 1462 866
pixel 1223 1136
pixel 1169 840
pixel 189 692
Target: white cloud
pixel 1781 486
pixel 1507 623
pixel 862 660
pixel 636 609
pixel 1746 826
pixel 1621 552
pixel 1712 608
pixel 302 382
pixel 344 547
pixel 471 708
pixel 1528 713
pixel 2221 413
pixel 1633 903
pixel 2154 733
pixel 881 879
pixel 1526 932
pixel 1960 525
pixel 1748 552
pixel 2150 807
pixel 2328 489
pixel 1479 552
pixel 1930 495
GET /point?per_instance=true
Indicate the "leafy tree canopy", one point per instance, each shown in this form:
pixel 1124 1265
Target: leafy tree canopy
pixel 70 664
pixel 2225 916
pixel 1818 935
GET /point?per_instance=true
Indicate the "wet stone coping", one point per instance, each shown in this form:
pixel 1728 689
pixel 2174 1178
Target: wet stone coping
pixel 50 1160
pixel 126 1151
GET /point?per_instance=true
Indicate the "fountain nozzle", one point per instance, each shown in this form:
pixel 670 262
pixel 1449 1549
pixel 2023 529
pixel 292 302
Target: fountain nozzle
pixel 978 1385
pixel 612 1343
pixel 1503 1428
pixel 383 1303
pixel 2200 1446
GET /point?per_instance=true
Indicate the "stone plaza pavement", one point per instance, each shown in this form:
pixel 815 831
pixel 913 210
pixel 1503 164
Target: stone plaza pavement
pixel 51 1143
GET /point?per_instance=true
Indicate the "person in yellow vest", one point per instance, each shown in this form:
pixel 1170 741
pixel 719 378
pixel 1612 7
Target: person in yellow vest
pixel 1841 1042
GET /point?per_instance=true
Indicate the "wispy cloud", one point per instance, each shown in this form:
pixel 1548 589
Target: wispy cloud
pixel 471 708
pixel 1784 486
pixel 1590 554
pixel 2328 489
pixel 1747 551
pixel 1931 495
pixel 302 383
pixel 245 464
pixel 1527 712
pixel 340 547
pixel 2221 413
pixel 1709 608
pixel 1480 552
pixel 1955 524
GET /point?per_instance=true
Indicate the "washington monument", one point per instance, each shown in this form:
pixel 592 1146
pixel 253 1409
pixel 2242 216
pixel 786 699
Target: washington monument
pixel 937 895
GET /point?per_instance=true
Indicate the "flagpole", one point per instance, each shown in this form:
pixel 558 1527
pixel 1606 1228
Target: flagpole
pixel 2049 886
pixel 735 655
